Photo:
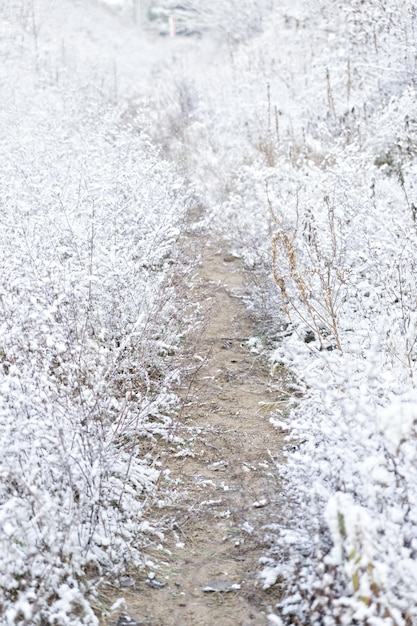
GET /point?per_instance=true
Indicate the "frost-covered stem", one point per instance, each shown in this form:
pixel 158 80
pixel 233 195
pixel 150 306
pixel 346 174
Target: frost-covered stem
pixel 115 82
pixel 411 206
pixel 314 313
pixel 349 82
pixel 276 112
pixel 330 99
pixel 268 96
pixel 91 262
pixel 409 345
pixel 327 270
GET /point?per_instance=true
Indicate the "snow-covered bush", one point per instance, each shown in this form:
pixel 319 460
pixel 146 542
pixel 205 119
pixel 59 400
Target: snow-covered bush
pixel 344 261
pixel 89 328
pixel 352 476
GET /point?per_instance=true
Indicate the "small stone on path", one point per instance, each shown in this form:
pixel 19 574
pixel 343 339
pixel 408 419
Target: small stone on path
pixel 220 586
pixel 125 620
pixel 126 581
pixel 229 258
pixel 155 584
pixel 260 503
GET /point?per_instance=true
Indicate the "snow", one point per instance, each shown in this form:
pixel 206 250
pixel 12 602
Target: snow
pixel 293 124
pixel 269 575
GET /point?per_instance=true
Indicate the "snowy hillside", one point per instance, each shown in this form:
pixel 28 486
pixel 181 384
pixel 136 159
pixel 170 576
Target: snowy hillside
pixel 294 124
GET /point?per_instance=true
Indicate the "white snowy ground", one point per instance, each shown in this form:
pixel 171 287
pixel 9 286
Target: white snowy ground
pixel 302 141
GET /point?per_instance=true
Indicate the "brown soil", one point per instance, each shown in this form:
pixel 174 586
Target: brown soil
pixel 221 488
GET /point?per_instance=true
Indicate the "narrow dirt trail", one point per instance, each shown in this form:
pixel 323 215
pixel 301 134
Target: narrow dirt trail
pixel 223 484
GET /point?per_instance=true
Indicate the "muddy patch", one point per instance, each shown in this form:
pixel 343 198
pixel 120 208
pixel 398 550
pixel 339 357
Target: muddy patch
pixel 219 489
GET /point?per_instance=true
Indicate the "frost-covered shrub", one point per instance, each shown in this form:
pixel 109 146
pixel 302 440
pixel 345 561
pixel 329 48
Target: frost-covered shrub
pixel 344 261
pixel 89 333
pixel 349 550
